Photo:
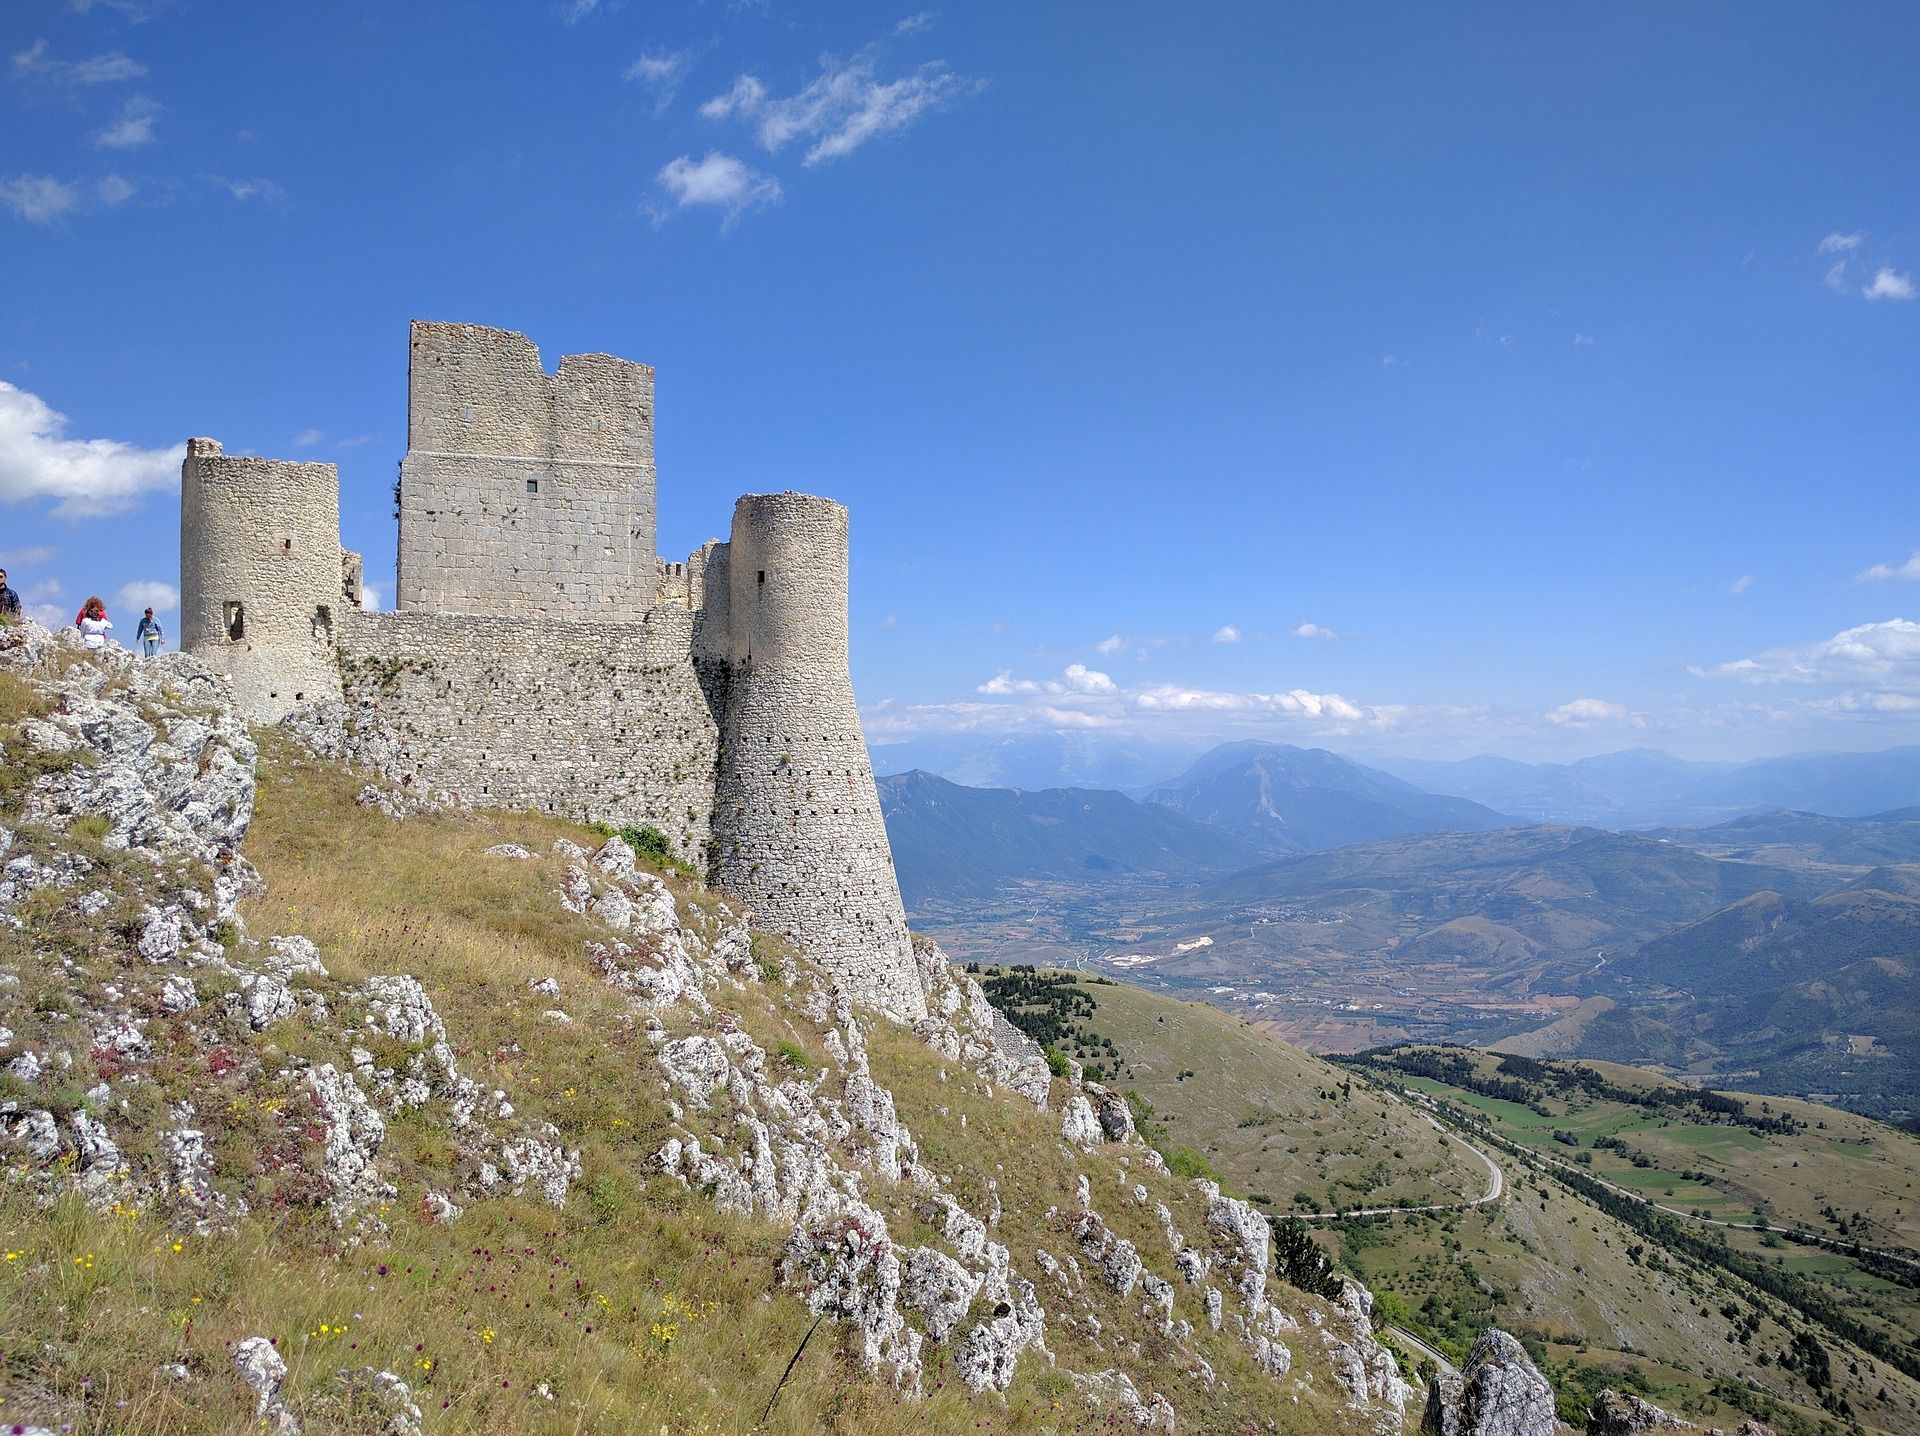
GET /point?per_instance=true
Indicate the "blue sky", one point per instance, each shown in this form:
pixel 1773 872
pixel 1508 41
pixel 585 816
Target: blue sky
pixel 1401 379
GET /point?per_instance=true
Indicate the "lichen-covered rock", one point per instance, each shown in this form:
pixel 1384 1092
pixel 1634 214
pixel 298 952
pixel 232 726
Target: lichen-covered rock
pixel 264 1372
pixel 848 1270
pixel 1116 1118
pixel 354 1134
pixel 1499 1393
pixel 939 1289
pixel 1619 1413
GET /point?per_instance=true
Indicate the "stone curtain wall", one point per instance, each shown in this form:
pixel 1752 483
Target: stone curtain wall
pixel 583 720
pixel 523 493
pixel 798 833
pixel 265 535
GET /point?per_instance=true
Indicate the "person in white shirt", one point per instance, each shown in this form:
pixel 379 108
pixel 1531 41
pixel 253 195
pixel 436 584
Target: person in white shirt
pixel 93 623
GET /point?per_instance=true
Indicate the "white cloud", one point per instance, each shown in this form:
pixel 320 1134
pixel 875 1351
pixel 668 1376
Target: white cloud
pixel 574 11
pixel 243 190
pixel 1838 243
pixel 111 68
pixel 1082 679
pixel 661 72
pixel 134 127
pixel 1888 285
pixel 1741 584
pixel 1111 645
pixel 114 190
pixel 1882 571
pixel 1593 712
pixel 914 24
pixel 1311 630
pixel 26 557
pixel 307 438
pixel 369 596
pixel 1884 654
pixel 842 108
pixel 1226 633
pixel 1581 341
pixel 892 620
pixel 720 181
pixel 148 593
pixel 38 199
pixel 1837 276
pixel 89 477
pixel 1004 683
pixel 1297 702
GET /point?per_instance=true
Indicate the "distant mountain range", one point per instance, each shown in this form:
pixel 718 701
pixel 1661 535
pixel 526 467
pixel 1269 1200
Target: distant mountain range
pixel 1642 787
pixel 955 842
pixel 1307 799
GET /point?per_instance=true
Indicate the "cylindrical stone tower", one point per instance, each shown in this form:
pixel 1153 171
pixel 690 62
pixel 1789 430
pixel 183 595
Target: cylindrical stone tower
pixel 797 826
pixel 261 586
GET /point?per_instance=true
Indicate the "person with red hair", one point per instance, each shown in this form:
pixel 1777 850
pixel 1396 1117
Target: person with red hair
pixel 93 623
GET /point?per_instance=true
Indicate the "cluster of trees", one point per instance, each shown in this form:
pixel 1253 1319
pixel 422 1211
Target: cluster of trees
pixel 1050 1007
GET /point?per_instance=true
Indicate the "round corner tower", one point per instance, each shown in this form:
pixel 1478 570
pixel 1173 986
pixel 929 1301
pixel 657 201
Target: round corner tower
pixel 798 834
pixel 261 581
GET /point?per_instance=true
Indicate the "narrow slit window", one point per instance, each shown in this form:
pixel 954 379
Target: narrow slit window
pixel 236 615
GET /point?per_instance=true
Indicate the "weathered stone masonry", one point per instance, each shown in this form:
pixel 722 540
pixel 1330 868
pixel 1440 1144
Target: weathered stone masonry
pixel 543 656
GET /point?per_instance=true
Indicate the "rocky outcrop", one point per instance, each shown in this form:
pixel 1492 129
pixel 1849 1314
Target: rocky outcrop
pixel 1620 1413
pixel 1499 1392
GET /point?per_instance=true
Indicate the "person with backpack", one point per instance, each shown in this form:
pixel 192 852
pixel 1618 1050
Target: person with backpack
pixel 9 601
pixel 149 634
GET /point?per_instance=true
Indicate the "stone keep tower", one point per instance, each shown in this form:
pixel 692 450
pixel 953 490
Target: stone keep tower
pixel 797 826
pixel 264 583
pixel 521 493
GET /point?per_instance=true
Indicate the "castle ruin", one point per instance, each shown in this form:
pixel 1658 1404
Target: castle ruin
pixel 540 653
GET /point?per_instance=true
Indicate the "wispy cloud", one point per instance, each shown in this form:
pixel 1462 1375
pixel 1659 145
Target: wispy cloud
pixel 718 182
pixel 1882 655
pixel 1296 702
pixel 842 108
pixel 1837 243
pixel 27 557
pixel 38 199
pixel 574 11
pixel 354 441
pixel 264 190
pixel 1593 713
pixel 914 24
pixel 661 72
pixel 1880 572
pixel 1741 584
pixel 1581 341
pixel 1111 645
pixel 148 593
pixel 1226 633
pixel 1889 285
pixel 114 190
pixel 307 438
pixel 134 128
pixel 112 68
pixel 1311 630
pixel 89 477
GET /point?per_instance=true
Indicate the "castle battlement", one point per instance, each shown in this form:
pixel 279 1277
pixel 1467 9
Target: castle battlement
pixel 710 699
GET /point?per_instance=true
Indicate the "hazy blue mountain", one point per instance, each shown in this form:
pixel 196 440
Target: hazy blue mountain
pixel 951 841
pixel 1034 760
pixel 1307 799
pixel 1641 787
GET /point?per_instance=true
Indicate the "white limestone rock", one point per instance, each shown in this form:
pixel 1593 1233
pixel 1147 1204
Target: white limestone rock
pixel 939 1289
pixel 1499 1392
pixel 1079 1125
pixel 264 1373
